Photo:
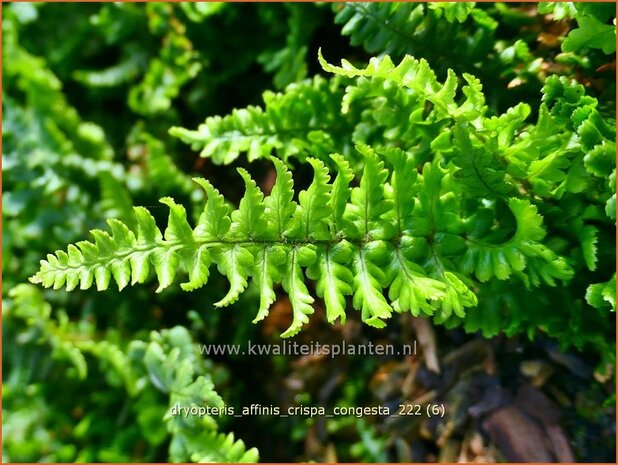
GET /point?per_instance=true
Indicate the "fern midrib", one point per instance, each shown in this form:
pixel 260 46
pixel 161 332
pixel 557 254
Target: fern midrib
pixel 170 245
pixel 290 243
pixel 229 135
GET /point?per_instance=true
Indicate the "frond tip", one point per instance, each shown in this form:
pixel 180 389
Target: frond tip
pixel 354 241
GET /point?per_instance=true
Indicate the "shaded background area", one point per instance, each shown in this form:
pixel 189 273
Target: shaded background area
pixel 85 136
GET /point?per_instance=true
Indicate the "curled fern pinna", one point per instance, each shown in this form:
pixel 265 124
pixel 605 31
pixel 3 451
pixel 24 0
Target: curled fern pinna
pixel 398 230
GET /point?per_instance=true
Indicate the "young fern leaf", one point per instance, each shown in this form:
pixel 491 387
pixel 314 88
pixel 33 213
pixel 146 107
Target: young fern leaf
pixel 457 296
pixel 367 241
pixel 419 78
pixel 367 206
pixel 489 260
pixel 310 219
pixel 303 119
pixel 147 234
pixel 269 259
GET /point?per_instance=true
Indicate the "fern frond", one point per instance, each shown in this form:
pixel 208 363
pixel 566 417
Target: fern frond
pixel 157 167
pixel 26 302
pixel 420 79
pixel 167 73
pixel 403 186
pixel 489 260
pixel 268 263
pixel 376 27
pixel 418 29
pixel 376 239
pixel 248 221
pixel 172 367
pixel 235 262
pixel 303 119
pixel 215 221
pixel 216 447
pixel 289 64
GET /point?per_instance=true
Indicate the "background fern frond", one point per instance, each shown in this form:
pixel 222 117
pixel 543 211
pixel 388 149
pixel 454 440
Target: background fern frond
pixel 302 120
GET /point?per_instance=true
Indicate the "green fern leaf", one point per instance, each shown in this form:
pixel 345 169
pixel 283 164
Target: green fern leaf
pixel 147 235
pixel 589 238
pixel 268 262
pixel 334 278
pixel 303 119
pixel 313 211
pixel 178 229
pixel 489 260
pixel 213 447
pixel 479 170
pixel 369 280
pixel 197 263
pixel 214 222
pixel 602 294
pixel 411 290
pixel 165 263
pixel 368 202
pixel 279 205
pixel 236 263
pixel 248 221
pixel 418 29
pixel 172 367
pixel 419 78
pixel 403 187
pixel 294 284
pixel 396 231
pixel 340 193
pixel 457 297
pixel 591 33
